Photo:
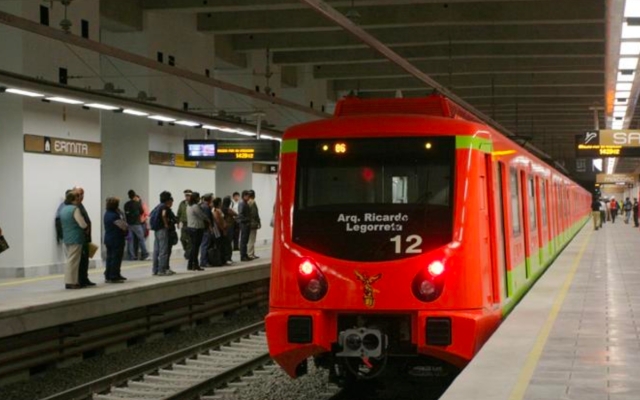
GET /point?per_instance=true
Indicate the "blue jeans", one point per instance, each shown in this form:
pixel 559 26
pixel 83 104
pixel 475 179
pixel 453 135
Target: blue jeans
pixel 115 252
pixel 161 251
pixel 206 237
pixel 137 231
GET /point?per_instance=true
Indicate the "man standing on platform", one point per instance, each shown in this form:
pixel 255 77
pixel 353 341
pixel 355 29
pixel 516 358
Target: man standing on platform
pixel 635 212
pixel 182 223
pixel 133 211
pixel 83 270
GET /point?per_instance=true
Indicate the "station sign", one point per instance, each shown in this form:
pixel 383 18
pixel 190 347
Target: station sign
pixel 231 150
pixel 608 143
pixel 61 146
pixel 615 178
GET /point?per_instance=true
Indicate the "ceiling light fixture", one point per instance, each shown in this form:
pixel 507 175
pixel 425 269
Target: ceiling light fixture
pixel 63 100
pixel 24 93
pixel 135 112
pixel 161 118
pixel 188 123
pixel 102 106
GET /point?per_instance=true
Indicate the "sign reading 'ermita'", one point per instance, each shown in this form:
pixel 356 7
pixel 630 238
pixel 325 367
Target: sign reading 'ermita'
pixel 61 147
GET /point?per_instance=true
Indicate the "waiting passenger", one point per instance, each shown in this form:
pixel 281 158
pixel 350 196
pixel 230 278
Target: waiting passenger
pixel 635 212
pixel 207 236
pixel 244 220
pixel 229 216
pixel 161 223
pixel 196 222
pixel 115 232
pixel 219 232
pixel 134 213
pixel 182 224
pixel 73 233
pixel 235 200
pixel 83 270
pixel 254 225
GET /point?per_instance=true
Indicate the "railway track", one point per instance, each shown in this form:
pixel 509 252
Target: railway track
pixel 186 374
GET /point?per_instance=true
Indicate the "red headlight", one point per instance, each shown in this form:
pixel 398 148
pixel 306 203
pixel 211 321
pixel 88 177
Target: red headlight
pixel 311 281
pixel 429 283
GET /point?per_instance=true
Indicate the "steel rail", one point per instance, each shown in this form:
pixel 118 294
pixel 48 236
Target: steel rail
pixel 99 385
pixel 111 51
pixel 335 16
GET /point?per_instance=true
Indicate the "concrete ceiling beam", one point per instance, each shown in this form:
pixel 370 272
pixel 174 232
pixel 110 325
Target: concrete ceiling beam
pixel 557 80
pixel 445 52
pixel 403 15
pixel 476 66
pixel 432 35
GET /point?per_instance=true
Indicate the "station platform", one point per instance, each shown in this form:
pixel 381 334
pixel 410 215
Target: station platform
pixel 30 304
pixel 575 335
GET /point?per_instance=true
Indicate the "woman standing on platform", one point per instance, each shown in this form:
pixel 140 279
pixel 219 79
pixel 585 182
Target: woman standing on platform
pixel 196 222
pixel 115 232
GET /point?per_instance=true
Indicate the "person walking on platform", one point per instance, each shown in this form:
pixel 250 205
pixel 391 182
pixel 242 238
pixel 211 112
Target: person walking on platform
pixel 134 211
pixel 115 232
pixel 595 213
pixel 73 237
pixel 185 240
pixel 254 225
pixel 83 271
pixel 627 210
pixel 161 221
pixel 634 209
pixel 613 208
pixel 196 223
pixel 603 212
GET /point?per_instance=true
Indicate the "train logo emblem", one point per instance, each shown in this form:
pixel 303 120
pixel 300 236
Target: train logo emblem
pixel 589 136
pixel 369 291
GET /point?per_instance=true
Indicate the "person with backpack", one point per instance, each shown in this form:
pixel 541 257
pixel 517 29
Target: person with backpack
pixel 115 232
pixel 162 221
pixel 627 210
pixel 134 211
pixel 613 206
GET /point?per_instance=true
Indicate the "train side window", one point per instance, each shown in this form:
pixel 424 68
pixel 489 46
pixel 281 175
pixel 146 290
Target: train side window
pixel 543 201
pixel 531 192
pixel 514 193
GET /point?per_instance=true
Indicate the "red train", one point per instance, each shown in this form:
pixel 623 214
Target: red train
pixel 407 230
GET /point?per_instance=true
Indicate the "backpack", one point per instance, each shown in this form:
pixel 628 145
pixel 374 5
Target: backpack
pixel 155 219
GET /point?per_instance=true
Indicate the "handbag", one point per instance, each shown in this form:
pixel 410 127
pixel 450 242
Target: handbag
pixel 93 248
pixel 173 237
pixel 3 244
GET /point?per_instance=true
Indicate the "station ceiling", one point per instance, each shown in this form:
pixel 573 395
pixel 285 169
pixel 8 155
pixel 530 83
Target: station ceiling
pixel 535 66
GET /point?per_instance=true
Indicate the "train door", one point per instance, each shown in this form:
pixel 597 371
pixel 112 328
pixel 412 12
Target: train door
pixel 498 230
pixel 530 224
pixel 543 226
pixel 517 275
pixel 484 234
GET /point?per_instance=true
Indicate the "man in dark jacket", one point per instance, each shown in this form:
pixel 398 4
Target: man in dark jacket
pixel 595 213
pixel 83 271
pixel 133 210
pixel 244 219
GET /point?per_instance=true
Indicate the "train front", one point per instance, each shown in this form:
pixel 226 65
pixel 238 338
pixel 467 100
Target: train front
pixel 365 270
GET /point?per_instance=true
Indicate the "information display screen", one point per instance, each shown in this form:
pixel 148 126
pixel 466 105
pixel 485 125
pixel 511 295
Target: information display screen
pixel 231 150
pixel 608 143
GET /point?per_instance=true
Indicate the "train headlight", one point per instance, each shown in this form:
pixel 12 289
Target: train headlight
pixel 428 284
pixel 311 281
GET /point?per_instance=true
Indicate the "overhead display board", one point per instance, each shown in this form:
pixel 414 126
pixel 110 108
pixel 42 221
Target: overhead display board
pixel 615 178
pixel 608 143
pixel 231 150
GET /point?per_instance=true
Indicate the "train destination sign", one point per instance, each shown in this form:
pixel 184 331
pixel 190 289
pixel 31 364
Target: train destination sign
pixel 231 150
pixel 608 143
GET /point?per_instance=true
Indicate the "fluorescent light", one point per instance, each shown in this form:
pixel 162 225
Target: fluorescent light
pixel 102 106
pixel 162 118
pixel 629 48
pixel 617 125
pixel 135 112
pixel 244 133
pixel 630 31
pixel 626 77
pixel 622 94
pixel 187 123
pixel 210 127
pixel 229 130
pixel 24 93
pixel 623 86
pixel 628 63
pixel 63 100
pixel 619 113
pixel 620 108
pixel 266 137
pixel 632 9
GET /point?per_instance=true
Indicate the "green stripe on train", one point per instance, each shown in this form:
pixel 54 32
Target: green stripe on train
pixel 289 146
pixel 522 288
pixel 474 143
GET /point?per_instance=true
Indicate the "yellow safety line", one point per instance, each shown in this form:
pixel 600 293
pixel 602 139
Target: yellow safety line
pixel 534 356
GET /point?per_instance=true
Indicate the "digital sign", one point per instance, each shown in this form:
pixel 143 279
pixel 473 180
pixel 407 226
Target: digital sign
pixel 231 150
pixel 608 143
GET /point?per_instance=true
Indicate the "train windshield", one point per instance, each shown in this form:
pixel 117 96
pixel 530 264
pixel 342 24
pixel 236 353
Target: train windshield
pixel 374 199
